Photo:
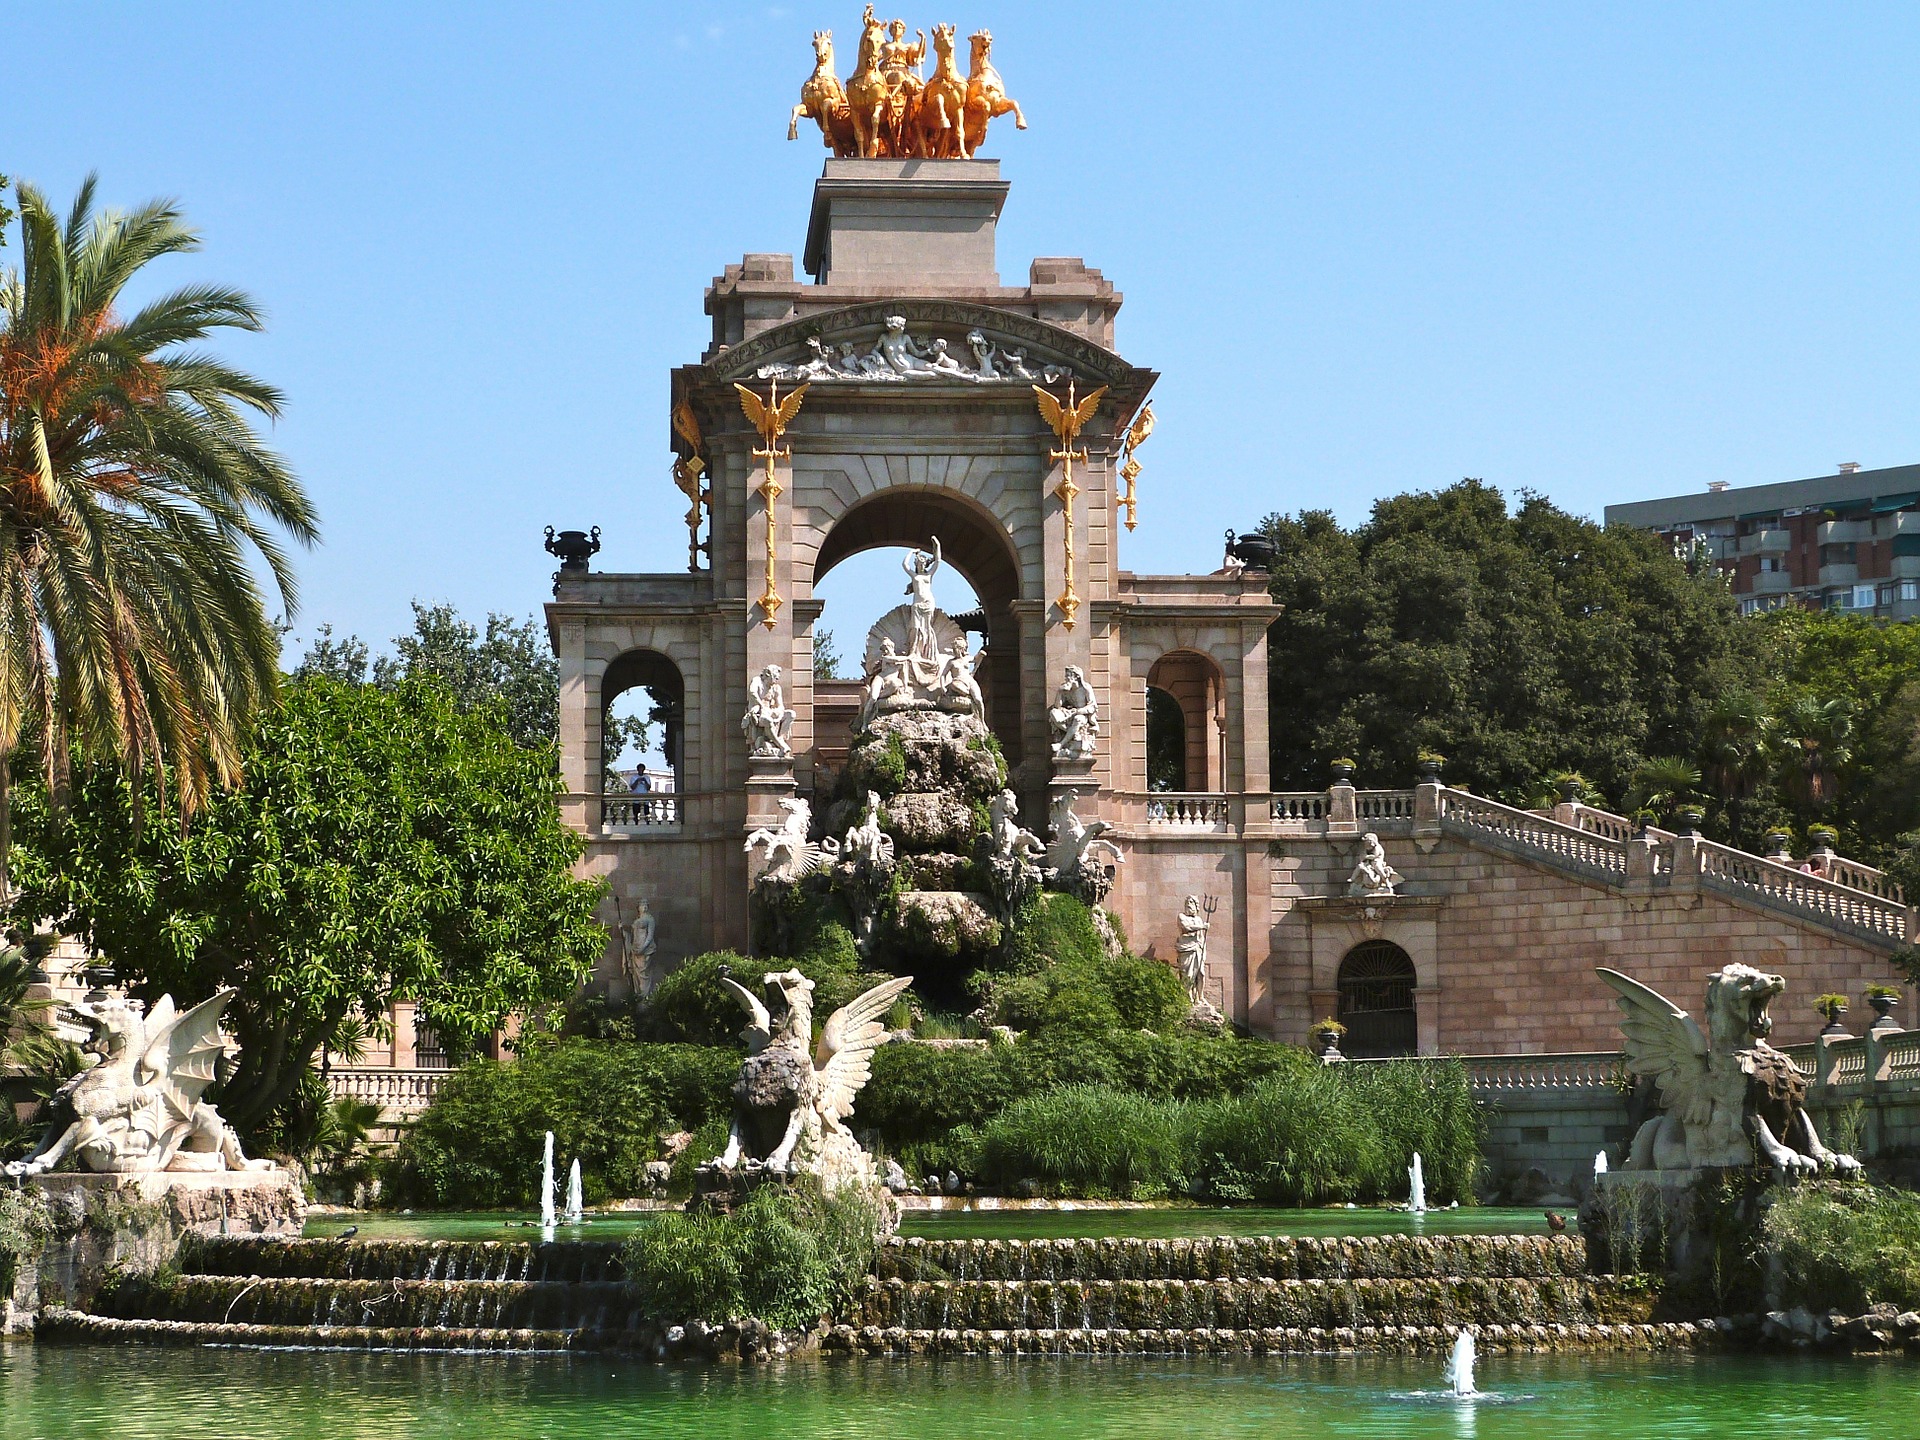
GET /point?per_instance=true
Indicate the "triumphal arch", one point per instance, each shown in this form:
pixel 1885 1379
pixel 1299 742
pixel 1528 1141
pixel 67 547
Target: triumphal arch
pixel 900 393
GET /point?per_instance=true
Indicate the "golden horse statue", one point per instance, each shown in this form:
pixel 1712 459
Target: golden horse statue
pixel 824 100
pixel 987 96
pixel 941 130
pixel 884 111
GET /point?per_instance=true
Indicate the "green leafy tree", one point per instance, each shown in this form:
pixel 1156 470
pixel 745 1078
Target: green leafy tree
pixel 134 498
pixel 1516 643
pixel 387 845
pixel 826 656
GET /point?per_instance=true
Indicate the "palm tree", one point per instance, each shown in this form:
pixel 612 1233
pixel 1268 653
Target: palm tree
pixel 1663 784
pixel 1735 739
pixel 134 492
pixel 1813 740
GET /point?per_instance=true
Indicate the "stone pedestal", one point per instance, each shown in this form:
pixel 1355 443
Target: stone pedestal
pixel 901 223
pixel 769 781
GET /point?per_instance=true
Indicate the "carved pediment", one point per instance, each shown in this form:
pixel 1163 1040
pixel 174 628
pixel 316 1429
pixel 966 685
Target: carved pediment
pixel 915 342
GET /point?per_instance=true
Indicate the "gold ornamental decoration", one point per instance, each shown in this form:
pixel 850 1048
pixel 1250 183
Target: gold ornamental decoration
pixel 687 470
pixel 1066 422
pixel 887 111
pixel 771 417
pixel 1136 435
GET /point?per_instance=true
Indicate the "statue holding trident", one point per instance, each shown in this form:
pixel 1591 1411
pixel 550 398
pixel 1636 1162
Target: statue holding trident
pixel 923 651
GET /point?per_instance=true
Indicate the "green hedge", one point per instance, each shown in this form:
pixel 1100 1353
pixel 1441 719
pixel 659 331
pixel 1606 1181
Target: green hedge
pixel 479 1146
pixel 1845 1249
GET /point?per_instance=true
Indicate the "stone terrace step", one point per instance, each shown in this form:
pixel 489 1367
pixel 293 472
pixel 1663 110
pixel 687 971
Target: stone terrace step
pixel 406 1304
pixel 551 1260
pixel 1280 1257
pixel 75 1325
pixel 1382 1340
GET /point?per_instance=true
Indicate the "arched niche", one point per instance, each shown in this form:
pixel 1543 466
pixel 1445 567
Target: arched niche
pixel 975 544
pixel 666 689
pixel 1194 682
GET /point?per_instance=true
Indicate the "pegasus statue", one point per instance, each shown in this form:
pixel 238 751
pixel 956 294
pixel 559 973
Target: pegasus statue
pixel 1725 1090
pixel 790 854
pixel 138 1107
pixel 792 1099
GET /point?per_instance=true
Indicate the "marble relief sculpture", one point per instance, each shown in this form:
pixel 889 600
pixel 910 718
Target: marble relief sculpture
pixel 792 1099
pixel 1191 947
pixel 896 356
pixel 1075 854
pixel 768 722
pixel 1723 1091
pixel 1373 877
pixel 138 1108
pixel 866 843
pixel 1074 718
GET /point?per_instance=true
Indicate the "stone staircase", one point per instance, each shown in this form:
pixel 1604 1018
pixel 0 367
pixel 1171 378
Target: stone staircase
pixel 1387 1294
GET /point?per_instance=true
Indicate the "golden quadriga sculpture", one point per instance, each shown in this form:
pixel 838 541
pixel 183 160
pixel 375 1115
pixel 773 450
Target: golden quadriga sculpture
pixel 886 110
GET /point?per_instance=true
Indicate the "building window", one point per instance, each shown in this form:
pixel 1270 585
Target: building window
pixel 1772 564
pixel 1863 597
pixel 1376 1001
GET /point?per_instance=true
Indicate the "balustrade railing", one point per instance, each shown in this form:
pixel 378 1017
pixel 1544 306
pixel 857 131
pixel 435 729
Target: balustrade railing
pixel 1573 1070
pixel 1903 1056
pixel 1736 870
pixel 1383 804
pixel 1855 876
pixel 396 1092
pixel 640 814
pixel 1187 810
pixel 1299 807
pixel 1564 843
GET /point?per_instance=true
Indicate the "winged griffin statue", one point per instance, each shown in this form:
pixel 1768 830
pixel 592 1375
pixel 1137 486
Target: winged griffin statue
pixel 1724 1091
pixel 791 1100
pixel 138 1108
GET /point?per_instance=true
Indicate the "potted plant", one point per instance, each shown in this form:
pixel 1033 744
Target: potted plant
pixel 1571 785
pixel 1822 838
pixel 1690 818
pixel 1643 821
pixel 1831 1008
pixel 1779 842
pixel 1427 765
pixel 1343 769
pixel 1326 1037
pixel 1883 999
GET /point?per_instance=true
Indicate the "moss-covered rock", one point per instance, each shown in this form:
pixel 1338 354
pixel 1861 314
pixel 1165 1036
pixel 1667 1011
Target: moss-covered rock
pixel 945 925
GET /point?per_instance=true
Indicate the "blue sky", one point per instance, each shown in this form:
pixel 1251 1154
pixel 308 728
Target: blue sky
pixel 1604 252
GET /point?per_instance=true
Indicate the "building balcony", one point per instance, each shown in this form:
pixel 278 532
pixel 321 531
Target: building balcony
pixel 1904 522
pixel 1765 542
pixel 1844 532
pixel 1771 582
pixel 1839 574
pixel 1904 567
pixel 640 814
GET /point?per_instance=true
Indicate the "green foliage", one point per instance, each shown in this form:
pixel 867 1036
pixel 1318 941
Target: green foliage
pixel 387 846
pixel 1105 993
pixel 691 1006
pixel 826 656
pixel 1306 1135
pixel 789 1256
pixel 1053 929
pixel 479 1146
pixel 510 667
pixel 1166 741
pixel 1845 1248
pixel 1519 643
pixel 25 1225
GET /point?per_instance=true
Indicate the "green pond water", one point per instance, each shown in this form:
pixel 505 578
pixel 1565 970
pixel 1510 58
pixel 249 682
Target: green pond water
pixel 1147 1222
pixel 56 1392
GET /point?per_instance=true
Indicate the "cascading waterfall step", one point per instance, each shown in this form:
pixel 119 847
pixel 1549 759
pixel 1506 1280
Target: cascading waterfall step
pixel 569 1261
pixel 79 1326
pixel 386 1304
pixel 893 1342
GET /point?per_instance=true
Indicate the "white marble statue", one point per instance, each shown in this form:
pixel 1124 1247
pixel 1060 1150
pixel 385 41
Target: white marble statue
pixel 958 689
pixel 1074 718
pixel 900 352
pixel 138 1107
pixel 922 646
pixel 866 843
pixel 1723 1092
pixel 638 941
pixel 1010 840
pixel 768 723
pixel 886 678
pixel 792 1099
pixel 790 855
pixel 1191 947
pixel 1074 839
pixel 1373 876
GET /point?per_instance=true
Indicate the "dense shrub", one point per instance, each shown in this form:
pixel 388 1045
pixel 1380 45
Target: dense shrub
pixel 1088 1140
pixel 1305 1134
pixel 1052 930
pixel 789 1257
pixel 692 1007
pixel 1845 1249
pixel 25 1224
pixel 479 1145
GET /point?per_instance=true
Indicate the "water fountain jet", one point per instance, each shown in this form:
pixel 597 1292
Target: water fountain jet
pixel 1417 1181
pixel 575 1200
pixel 1459 1373
pixel 546 1185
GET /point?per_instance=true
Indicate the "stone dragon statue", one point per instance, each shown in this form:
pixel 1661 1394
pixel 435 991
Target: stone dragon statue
pixel 138 1108
pixel 791 1100
pixel 1724 1097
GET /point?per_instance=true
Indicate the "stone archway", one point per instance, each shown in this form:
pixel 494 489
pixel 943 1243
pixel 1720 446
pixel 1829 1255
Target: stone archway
pixel 975 544
pixel 1376 984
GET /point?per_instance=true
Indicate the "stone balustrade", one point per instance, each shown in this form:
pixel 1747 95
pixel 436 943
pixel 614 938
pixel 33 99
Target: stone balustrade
pixel 1573 1070
pixel 1535 834
pixel 1299 810
pixel 399 1093
pixel 1184 810
pixel 1786 887
pixel 651 814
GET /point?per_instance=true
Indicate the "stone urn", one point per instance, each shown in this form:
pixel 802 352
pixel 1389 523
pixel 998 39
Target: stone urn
pixel 573 548
pixel 1569 791
pixel 1427 768
pixel 1342 771
pixel 1883 1008
pixel 1326 1042
pixel 1690 818
pixel 1779 845
pixel 1834 1011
